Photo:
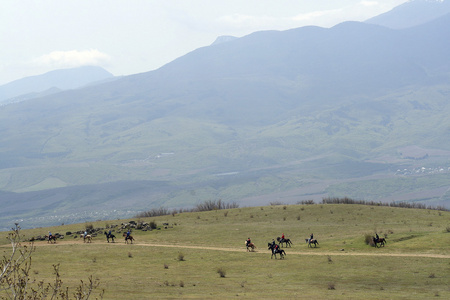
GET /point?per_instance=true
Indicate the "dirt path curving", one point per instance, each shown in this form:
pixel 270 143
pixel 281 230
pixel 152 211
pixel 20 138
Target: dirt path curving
pixel 262 250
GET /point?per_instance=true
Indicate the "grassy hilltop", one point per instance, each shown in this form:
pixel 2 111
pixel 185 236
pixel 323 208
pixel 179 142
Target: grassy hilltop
pixel 182 260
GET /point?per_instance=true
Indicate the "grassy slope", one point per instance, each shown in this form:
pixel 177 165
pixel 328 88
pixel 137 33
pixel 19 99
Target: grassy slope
pixel 359 271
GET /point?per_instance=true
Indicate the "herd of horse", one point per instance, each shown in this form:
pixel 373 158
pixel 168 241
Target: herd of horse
pixel 276 249
pixel 378 242
pixel 88 238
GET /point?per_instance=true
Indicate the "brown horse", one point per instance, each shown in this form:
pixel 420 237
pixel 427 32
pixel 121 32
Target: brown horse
pixel 282 241
pixel 380 241
pixel 51 239
pixel 313 241
pixel 250 246
pixel 128 238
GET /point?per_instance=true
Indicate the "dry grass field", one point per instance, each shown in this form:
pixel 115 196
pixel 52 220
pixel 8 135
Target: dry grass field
pixel 201 255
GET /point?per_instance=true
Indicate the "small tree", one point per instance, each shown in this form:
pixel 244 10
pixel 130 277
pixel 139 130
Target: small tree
pixel 15 269
pixel 16 283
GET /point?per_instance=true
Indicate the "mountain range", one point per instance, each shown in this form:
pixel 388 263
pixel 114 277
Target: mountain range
pixel 358 110
pixel 52 82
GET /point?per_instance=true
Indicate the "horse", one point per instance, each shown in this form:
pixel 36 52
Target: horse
pixel 313 241
pixel 286 241
pixel 276 251
pixel 87 238
pixel 250 245
pixel 110 236
pixel 129 237
pixel 51 239
pixel 380 241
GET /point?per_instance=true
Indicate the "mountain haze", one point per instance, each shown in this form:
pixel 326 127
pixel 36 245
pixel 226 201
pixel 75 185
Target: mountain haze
pixel 356 110
pixel 53 81
pixel 412 13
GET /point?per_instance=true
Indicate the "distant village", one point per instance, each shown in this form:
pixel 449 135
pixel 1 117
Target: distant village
pixel 422 171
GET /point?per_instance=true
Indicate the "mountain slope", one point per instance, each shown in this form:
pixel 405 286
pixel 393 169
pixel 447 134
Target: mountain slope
pixel 290 115
pixel 60 79
pixel 412 13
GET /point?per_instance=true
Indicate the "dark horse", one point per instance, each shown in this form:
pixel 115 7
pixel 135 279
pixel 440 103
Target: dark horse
pixel 285 241
pixel 128 238
pixel 380 241
pixel 250 246
pixel 276 251
pixel 110 236
pixel 51 239
pixel 313 241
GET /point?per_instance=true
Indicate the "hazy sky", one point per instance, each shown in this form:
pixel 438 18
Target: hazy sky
pixel 133 36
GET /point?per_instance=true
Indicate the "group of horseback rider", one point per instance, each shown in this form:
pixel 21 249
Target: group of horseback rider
pixel 109 235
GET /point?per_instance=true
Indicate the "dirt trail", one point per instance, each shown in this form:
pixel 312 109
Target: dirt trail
pixel 262 250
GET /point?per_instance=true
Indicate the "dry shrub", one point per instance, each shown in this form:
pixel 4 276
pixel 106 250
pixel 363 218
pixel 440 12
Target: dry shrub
pixel 221 271
pixel 368 239
pixel 180 256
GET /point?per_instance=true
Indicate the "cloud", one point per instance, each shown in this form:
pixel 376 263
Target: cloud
pixel 369 3
pixel 316 15
pixel 73 58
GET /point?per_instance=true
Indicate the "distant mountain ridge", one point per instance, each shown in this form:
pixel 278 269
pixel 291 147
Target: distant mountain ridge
pixel 412 13
pixel 54 80
pixel 287 115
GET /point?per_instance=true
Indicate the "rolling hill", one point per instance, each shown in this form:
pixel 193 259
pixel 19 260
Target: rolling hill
pixel 356 110
pixel 52 82
pixel 181 258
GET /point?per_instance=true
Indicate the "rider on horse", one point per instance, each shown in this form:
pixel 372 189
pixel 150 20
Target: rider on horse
pixel 249 241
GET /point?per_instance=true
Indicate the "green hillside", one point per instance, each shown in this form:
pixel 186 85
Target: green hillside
pixel 293 115
pixel 413 264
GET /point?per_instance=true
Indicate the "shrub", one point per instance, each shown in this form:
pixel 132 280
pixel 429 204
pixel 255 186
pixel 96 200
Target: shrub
pixel 221 271
pixel 89 226
pixel 153 225
pixel 180 256
pixel 331 286
pixel 368 239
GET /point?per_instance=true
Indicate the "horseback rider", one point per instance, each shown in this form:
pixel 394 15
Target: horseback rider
pixel 128 234
pixel 249 241
pixel 85 234
pixel 377 237
pixel 282 237
pixel 109 233
pixel 273 244
pixel 49 235
pixel 311 238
